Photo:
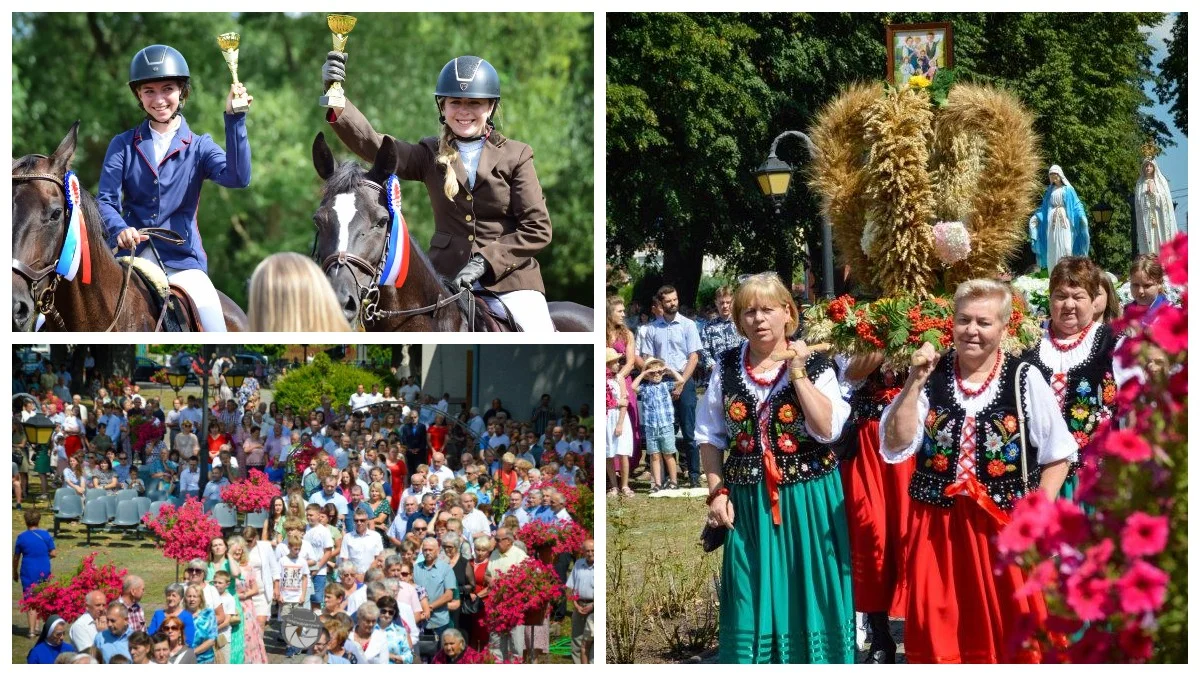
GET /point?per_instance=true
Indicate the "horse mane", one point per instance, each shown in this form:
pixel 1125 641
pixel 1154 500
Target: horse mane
pixel 346 178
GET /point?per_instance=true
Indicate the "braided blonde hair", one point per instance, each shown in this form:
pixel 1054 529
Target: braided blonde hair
pixel 446 156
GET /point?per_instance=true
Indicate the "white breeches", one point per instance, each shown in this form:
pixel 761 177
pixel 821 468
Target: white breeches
pixel 200 289
pixel 528 308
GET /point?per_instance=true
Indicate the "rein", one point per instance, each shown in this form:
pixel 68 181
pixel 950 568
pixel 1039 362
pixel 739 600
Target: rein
pixel 368 295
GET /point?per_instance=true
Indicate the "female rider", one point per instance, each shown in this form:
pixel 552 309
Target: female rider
pixel 492 220
pixel 153 173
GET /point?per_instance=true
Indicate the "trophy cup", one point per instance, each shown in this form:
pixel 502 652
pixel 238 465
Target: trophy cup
pixel 228 42
pixel 341 25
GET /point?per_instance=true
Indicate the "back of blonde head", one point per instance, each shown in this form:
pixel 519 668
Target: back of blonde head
pixel 288 292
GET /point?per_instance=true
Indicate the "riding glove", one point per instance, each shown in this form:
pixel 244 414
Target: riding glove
pixel 334 69
pixel 471 272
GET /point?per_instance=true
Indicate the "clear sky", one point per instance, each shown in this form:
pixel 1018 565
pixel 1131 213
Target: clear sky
pixel 1173 161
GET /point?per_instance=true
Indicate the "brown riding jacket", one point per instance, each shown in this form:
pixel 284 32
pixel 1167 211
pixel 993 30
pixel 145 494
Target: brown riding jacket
pixel 504 218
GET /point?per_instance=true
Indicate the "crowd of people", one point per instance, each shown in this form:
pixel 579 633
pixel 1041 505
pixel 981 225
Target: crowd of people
pixel 403 515
pixel 888 487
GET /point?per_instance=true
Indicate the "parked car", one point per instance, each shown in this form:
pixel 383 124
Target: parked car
pixel 144 368
pixel 30 361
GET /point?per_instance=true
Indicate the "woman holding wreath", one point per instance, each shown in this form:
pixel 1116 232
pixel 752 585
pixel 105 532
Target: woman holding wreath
pixel 977 453
pixel 785 578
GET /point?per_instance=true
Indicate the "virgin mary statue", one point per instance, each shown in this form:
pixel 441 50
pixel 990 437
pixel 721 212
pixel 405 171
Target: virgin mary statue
pixel 1155 213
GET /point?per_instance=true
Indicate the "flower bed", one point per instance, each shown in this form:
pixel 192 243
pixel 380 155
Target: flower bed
pixel 253 493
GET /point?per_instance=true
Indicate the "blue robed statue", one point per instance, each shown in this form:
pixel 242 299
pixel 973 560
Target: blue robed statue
pixel 1059 227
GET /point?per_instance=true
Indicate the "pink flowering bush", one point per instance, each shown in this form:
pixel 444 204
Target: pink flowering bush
pixel 184 530
pixel 145 430
pixel 527 587
pixel 1115 580
pixel 561 536
pixel 578 498
pixel 64 595
pixel 250 494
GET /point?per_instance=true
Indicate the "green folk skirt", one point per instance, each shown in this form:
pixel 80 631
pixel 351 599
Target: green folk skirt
pixel 785 589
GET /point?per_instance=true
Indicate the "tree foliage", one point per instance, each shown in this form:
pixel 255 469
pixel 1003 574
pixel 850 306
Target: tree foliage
pixel 1173 87
pixel 545 63
pixel 694 100
pixel 303 387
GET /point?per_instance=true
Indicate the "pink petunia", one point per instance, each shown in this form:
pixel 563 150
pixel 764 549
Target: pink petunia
pixel 1169 329
pixel 1135 643
pixel 1173 255
pixel 1142 589
pixel 1042 575
pixel 1126 445
pixel 1144 535
pixel 1088 595
pixel 1028 524
pixel 1071 525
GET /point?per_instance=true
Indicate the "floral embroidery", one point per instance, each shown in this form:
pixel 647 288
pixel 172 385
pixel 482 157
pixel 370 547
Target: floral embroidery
pixel 745 443
pixel 1081 438
pixel 787 444
pixel 931 418
pixel 1084 388
pixel 1079 411
pixel 939 441
pixel 1010 424
pixel 944 438
pixel 997 468
pixel 737 411
pixel 940 462
pixel 1109 391
pixel 1011 452
pixel 992 445
pixel 787 414
pixel 1089 408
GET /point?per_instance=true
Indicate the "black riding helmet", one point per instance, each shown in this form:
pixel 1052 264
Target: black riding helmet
pixel 156 63
pixel 467 77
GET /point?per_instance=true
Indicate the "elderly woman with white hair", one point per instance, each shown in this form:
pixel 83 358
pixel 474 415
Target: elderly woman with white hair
pixel 367 642
pixel 986 430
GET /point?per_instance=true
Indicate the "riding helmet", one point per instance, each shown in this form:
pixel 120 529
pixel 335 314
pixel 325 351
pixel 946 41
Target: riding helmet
pixel 158 62
pixel 468 77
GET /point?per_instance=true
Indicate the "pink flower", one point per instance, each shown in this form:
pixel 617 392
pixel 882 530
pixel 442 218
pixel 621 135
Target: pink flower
pixel 1043 574
pixel 1169 329
pixel 1093 647
pixel 1173 255
pixel 1126 445
pixel 1030 519
pixel 1143 588
pixel 1069 525
pixel 1087 595
pixel 1144 535
pixel 1135 643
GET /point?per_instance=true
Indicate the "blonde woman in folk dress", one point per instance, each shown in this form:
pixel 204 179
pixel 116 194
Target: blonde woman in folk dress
pixel 785 576
pixel 958 415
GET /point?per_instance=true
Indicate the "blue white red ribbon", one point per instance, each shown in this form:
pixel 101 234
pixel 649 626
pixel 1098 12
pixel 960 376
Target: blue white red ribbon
pixel 76 253
pixel 395 263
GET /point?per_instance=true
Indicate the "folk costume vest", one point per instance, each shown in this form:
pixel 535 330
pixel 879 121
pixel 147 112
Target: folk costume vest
pixel 992 444
pixel 875 393
pixel 1087 392
pixel 777 425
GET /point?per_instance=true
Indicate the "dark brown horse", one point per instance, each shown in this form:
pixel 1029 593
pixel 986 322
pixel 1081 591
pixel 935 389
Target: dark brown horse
pixel 39 226
pixel 352 226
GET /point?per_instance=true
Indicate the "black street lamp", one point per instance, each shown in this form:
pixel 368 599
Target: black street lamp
pixel 1102 213
pixel 234 377
pixel 177 377
pixel 774 178
pixel 38 429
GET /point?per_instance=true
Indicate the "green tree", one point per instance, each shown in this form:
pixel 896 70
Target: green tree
pixel 1173 87
pixel 303 387
pixel 546 68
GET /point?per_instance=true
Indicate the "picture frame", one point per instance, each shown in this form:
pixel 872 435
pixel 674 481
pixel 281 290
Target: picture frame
pixel 908 46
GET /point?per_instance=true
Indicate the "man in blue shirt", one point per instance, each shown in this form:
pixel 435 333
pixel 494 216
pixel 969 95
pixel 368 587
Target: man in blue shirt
pixel 674 339
pixel 189 479
pixel 216 482
pixel 437 578
pixel 329 495
pixel 115 639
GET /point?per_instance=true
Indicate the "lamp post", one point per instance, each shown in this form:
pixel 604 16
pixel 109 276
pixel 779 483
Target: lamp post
pixel 38 431
pixel 774 178
pixel 205 373
pixel 1102 213
pixel 177 377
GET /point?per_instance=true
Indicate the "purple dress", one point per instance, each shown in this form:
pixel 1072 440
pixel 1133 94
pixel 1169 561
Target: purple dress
pixel 621 347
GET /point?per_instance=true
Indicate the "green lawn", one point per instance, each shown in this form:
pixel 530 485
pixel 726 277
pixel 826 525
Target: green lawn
pixel 146 560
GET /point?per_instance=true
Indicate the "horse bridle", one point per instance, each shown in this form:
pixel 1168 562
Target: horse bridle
pixel 44 300
pixel 368 295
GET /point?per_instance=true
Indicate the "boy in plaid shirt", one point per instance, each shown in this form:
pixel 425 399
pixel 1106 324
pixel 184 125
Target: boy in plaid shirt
pixel 658 421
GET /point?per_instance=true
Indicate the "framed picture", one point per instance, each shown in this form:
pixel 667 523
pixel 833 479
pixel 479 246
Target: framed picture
pixel 918 49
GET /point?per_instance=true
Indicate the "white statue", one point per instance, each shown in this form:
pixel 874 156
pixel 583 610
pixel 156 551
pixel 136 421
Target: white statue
pixel 1153 208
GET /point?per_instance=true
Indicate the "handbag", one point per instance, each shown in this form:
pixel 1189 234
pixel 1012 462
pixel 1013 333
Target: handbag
pixel 712 536
pixel 427 644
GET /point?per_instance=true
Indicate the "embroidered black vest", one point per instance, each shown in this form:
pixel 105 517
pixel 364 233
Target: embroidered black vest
pixel 875 393
pixel 1091 392
pixel 798 456
pixel 997 441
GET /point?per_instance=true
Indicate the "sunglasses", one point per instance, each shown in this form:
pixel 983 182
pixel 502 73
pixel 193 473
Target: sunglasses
pixel 360 520
pixel 406 574
pixel 387 612
pixel 173 629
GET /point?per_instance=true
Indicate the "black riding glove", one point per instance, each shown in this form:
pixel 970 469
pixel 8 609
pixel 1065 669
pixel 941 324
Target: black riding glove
pixel 471 272
pixel 334 69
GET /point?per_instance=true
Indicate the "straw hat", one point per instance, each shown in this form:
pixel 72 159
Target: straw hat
pixel 611 355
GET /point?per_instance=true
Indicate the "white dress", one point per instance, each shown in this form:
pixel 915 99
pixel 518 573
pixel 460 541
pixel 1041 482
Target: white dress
pixel 618 445
pixel 1155 213
pixel 1058 230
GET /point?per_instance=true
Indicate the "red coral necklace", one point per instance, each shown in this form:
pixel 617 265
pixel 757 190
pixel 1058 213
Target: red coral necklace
pixel 760 381
pixel 1064 346
pixel 962 386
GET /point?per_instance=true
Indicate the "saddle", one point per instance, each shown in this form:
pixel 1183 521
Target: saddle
pixel 499 322
pixel 174 307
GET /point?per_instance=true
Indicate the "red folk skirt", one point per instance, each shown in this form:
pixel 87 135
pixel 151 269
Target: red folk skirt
pixel 877 510
pixel 73 444
pixel 959 610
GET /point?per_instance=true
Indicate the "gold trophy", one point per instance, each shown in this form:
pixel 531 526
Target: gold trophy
pixel 228 42
pixel 341 25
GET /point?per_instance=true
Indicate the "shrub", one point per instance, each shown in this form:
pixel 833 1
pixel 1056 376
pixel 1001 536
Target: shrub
pixel 64 595
pixel 304 386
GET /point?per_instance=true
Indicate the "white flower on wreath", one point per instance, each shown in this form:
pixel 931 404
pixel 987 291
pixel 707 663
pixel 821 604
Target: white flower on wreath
pixel 944 438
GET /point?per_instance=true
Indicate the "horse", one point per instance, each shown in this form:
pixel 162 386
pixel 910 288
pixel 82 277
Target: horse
pixel 350 247
pixel 115 299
